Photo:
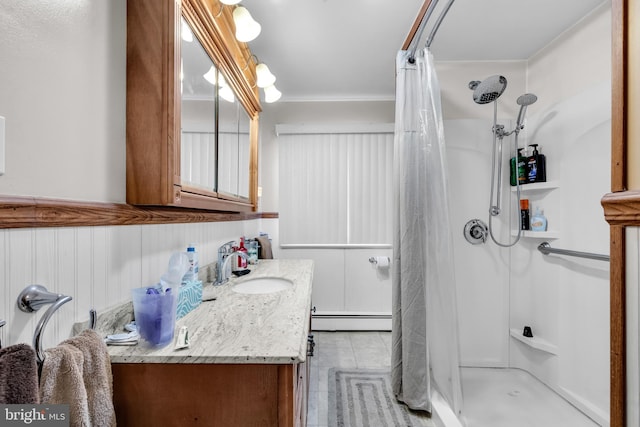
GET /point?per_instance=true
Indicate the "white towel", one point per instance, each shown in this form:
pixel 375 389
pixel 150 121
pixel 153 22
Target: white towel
pixel 78 373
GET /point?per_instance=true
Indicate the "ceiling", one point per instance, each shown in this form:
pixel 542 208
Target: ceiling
pixel 345 49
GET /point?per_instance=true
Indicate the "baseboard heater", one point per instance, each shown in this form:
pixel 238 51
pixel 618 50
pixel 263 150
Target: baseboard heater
pixel 350 321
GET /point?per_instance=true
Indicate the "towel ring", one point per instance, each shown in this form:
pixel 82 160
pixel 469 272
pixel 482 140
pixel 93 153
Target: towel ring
pixel 33 298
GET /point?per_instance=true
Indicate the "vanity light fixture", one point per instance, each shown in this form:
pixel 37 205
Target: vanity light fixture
pixel 247 28
pixel 271 94
pixel 264 76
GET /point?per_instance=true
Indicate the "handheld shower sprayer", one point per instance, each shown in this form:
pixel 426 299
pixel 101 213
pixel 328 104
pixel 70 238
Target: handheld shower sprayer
pixel 484 92
pixel 524 101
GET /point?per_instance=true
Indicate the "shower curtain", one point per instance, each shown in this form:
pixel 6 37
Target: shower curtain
pixel 425 350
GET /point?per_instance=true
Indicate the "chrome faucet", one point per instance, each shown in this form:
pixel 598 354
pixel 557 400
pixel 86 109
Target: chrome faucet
pixel 225 255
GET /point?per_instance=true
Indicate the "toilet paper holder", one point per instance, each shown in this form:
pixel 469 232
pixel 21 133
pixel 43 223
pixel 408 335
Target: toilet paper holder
pixel 374 260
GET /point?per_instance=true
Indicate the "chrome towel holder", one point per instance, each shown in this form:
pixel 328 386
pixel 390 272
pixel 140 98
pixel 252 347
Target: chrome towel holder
pixel 33 298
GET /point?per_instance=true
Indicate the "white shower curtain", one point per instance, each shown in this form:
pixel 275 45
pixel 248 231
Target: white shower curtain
pixel 425 350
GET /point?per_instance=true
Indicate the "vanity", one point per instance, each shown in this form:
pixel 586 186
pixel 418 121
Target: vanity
pixel 246 364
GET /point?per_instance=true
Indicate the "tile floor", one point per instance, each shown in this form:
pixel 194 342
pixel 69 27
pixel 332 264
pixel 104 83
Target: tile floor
pixel 344 350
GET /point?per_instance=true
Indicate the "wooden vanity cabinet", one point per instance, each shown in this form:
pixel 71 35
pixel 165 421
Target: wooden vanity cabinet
pixel 159 394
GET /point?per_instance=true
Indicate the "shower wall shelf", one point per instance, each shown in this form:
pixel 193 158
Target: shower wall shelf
pixel 550 234
pixel 537 186
pixel 534 342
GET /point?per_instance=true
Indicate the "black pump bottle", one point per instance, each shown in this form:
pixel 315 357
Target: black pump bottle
pixel 536 166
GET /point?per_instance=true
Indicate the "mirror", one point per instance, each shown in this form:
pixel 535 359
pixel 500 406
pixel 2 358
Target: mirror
pixel 234 141
pixel 175 89
pixel 198 77
pixel 215 139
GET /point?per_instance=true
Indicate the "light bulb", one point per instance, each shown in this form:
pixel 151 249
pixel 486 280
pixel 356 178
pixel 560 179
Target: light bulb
pixel 185 32
pixel 271 94
pixel 227 94
pixel 265 77
pixel 246 28
pixel 210 75
pixel 230 2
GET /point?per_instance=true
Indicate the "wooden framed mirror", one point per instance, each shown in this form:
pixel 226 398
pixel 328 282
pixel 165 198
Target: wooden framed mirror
pixel 204 157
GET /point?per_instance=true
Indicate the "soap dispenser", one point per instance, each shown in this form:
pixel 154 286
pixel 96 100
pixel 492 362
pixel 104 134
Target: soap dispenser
pixel 242 262
pixel 536 166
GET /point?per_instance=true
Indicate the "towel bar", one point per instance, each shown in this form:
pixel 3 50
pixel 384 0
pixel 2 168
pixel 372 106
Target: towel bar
pixel 546 249
pixel 33 298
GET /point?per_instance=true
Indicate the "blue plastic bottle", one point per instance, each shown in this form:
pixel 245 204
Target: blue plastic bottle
pixel 538 221
pixel 192 274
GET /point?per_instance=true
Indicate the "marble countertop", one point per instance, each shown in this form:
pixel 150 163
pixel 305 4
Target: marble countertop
pixel 229 327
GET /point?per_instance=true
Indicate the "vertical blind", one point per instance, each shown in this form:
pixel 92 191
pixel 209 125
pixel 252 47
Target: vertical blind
pixel 335 186
pixel 198 159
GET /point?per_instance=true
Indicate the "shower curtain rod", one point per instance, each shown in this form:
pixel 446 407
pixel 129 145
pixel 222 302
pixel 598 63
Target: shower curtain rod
pixel 415 35
pixel 546 249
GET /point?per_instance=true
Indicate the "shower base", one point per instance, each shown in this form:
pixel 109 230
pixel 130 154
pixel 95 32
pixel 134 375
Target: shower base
pixel 497 397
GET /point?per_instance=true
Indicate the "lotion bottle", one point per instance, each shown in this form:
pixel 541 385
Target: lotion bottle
pixel 539 221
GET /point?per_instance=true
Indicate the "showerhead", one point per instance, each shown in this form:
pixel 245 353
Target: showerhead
pixel 489 89
pixel 524 101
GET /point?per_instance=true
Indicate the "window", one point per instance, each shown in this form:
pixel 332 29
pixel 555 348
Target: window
pixel 335 186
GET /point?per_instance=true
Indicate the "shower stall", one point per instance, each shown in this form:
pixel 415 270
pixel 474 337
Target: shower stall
pixel 558 375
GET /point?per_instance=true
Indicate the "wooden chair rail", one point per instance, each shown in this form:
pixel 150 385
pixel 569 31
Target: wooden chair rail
pixel 26 212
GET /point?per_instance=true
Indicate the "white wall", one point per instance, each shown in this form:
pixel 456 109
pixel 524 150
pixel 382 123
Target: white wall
pixel 62 93
pixel 566 300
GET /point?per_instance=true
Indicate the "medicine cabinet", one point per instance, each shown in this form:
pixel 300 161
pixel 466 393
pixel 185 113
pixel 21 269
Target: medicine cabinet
pixel 192 107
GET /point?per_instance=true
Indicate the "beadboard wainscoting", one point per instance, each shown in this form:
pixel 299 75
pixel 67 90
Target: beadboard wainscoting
pixel 97 266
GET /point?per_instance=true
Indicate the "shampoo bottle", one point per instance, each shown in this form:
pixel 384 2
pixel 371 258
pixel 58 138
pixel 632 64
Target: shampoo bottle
pixel 517 169
pixel 522 167
pixel 539 221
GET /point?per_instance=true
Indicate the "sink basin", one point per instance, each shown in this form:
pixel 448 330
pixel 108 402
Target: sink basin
pixel 262 285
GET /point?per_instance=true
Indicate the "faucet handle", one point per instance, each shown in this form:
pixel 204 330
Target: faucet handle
pixel 226 248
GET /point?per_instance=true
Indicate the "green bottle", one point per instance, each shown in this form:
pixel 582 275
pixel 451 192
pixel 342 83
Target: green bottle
pixel 518 169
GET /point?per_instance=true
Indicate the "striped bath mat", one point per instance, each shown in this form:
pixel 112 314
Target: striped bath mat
pixel 363 398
